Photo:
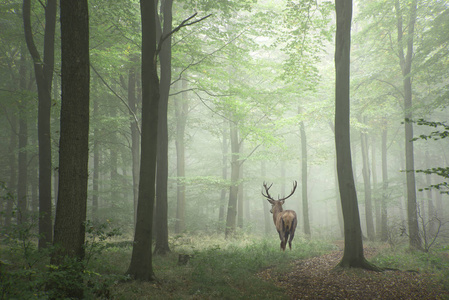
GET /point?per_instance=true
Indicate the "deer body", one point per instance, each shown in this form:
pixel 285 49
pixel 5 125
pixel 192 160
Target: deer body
pixel 284 220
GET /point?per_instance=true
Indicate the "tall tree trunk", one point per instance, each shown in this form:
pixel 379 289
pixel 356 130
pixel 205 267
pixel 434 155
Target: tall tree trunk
pixel 304 180
pixel 23 142
pixel 367 186
pixel 384 215
pixel 266 206
pixel 96 167
pixel 224 174
pixel 12 183
pixel 181 110
pixel 377 199
pixel 430 206
pixel 233 191
pixel 44 76
pixel 73 144
pixel 141 266
pixel 161 246
pixel 135 135
pixel 405 62
pixel 240 198
pixel 353 251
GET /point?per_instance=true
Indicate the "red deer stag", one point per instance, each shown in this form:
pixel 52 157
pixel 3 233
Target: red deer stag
pixel 284 220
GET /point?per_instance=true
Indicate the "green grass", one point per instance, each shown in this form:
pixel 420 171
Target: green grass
pixel 219 269
pixel 435 261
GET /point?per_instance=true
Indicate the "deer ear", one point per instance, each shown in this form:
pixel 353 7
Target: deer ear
pixel 282 202
pixel 271 201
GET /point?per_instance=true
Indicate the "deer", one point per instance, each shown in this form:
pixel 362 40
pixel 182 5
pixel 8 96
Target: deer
pixel 284 220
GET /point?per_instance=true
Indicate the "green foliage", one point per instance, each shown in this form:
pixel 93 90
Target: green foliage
pixel 26 273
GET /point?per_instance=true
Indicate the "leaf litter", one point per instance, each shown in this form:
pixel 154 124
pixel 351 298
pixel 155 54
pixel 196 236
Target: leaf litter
pixel 317 278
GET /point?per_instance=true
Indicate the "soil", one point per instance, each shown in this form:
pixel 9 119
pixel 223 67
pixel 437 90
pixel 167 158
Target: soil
pixel 317 278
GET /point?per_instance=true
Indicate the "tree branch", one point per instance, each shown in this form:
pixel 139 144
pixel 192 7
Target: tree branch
pixel 118 96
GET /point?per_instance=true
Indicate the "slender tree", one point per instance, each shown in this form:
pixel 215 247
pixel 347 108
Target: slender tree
pixel 181 110
pixel 353 252
pixel 141 266
pixel 405 61
pixel 304 179
pixel 44 75
pixel 161 246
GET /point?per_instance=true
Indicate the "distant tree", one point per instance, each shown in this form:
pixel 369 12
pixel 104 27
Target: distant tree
pixel 43 70
pixel 405 61
pixel 73 144
pixel 141 266
pixel 353 252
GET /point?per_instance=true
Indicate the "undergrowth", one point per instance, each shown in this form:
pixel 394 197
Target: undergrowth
pixel 219 268
pixel 402 258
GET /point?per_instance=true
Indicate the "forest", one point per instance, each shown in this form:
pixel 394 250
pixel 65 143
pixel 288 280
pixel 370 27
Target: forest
pixel 228 149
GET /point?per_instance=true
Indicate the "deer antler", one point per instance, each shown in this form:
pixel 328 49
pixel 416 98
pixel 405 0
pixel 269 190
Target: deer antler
pixel 266 190
pixel 293 190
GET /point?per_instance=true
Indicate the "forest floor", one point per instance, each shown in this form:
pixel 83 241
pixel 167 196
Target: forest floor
pixel 317 278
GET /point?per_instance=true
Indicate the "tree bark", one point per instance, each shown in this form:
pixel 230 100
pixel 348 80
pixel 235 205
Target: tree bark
pixel 141 266
pixel 44 76
pixel 73 145
pixel 353 252
pixel 161 246
pixel 405 62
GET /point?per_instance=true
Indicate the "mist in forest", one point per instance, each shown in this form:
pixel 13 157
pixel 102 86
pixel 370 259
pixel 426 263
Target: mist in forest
pixel 159 138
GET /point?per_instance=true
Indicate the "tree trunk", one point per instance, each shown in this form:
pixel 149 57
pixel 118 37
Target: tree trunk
pixel 304 179
pixel 240 198
pixel 367 187
pixel 224 174
pixel 44 75
pixel 135 135
pixel 12 183
pixel 406 65
pixel 23 142
pixel 353 251
pixel 430 205
pixel 266 205
pixel 377 199
pixel 384 215
pixel 141 266
pixel 73 145
pixel 181 110
pixel 161 246
pixel 96 170
pixel 233 191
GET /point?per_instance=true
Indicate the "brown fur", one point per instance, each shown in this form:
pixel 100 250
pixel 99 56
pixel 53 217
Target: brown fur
pixel 284 220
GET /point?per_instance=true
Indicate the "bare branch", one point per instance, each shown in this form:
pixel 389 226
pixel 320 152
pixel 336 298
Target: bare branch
pixel 183 24
pixel 118 96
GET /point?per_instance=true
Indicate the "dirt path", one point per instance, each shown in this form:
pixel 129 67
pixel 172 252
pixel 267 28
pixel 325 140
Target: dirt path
pixel 316 278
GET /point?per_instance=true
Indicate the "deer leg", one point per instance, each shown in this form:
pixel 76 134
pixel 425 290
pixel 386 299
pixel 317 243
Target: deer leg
pixel 292 234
